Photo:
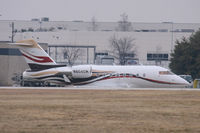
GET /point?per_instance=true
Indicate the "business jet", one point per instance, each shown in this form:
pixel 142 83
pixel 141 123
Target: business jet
pixel 44 68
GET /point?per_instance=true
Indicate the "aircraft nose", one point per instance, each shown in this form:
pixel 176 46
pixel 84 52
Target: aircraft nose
pixel 183 81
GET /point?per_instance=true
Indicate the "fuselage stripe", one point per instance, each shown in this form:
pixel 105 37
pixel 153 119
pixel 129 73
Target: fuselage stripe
pixel 106 77
pixel 132 76
pixel 147 79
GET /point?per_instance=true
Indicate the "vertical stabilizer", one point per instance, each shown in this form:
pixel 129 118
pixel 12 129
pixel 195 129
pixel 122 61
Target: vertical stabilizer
pixel 34 55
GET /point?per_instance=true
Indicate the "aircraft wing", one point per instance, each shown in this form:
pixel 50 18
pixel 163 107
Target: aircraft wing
pixel 66 75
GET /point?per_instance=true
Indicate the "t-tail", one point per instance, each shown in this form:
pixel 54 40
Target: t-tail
pixel 35 56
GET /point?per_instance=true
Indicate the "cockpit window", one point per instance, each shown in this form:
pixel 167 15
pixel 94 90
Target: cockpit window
pixel 165 73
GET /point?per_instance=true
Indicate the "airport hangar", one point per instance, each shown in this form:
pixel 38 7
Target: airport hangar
pixel 153 41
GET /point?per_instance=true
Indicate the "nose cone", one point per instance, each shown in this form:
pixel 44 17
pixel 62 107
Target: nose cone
pixel 182 82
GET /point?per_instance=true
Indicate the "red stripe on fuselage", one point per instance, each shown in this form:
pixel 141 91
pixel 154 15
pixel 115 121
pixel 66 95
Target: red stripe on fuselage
pixel 150 80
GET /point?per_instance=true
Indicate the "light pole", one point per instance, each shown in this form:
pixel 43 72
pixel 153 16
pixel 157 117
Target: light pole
pixel 172 37
pixel 40 22
pixel 13 32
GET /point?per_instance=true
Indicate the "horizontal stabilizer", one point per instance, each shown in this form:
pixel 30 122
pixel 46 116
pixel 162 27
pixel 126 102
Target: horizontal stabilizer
pixel 21 44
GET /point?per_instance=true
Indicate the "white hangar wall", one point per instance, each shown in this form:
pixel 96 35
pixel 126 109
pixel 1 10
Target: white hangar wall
pixel 149 37
pixel 145 42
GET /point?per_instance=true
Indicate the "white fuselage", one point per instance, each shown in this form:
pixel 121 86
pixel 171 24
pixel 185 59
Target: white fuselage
pixel 138 76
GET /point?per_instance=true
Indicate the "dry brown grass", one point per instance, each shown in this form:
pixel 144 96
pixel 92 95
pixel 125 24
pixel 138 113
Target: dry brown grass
pixel 99 111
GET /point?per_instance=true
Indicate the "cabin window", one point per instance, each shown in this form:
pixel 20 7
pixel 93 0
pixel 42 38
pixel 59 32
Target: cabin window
pixel 165 73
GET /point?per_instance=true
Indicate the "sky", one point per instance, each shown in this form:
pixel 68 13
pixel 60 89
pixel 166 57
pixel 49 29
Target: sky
pixel 177 11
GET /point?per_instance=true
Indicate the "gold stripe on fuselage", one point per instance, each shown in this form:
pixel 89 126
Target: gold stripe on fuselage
pixel 100 72
pixel 45 73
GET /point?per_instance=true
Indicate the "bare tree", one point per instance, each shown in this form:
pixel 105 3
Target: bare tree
pixel 124 24
pixel 94 24
pixel 71 55
pixel 122 48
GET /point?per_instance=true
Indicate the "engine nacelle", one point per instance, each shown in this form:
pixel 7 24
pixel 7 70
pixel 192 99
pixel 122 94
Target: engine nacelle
pixel 81 71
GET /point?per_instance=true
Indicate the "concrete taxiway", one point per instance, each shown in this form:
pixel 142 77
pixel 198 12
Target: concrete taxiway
pixel 99 88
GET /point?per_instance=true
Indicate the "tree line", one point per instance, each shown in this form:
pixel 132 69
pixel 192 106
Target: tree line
pixel 185 58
